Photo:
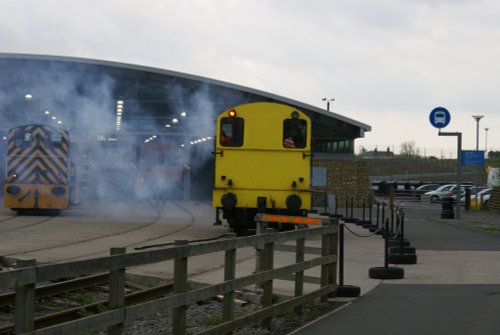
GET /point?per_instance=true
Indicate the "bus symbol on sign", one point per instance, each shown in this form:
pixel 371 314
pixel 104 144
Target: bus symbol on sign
pixel 439 117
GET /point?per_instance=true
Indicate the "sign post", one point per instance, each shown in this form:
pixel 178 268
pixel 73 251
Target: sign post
pixel 440 118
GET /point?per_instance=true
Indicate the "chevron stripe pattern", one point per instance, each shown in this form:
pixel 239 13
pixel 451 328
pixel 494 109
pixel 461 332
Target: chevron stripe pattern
pixel 38 154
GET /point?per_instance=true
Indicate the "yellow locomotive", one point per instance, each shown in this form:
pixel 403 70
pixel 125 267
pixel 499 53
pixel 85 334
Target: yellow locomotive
pixel 38 169
pixel 262 163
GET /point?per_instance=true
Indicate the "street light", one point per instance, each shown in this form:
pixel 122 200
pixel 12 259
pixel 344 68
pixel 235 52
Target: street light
pixel 477 118
pixel 328 102
pixel 486 141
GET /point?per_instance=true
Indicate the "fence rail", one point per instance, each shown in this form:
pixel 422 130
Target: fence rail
pixel 24 279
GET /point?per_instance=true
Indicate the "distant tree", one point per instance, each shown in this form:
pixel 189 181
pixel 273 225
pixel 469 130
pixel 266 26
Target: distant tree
pixel 494 154
pixel 409 149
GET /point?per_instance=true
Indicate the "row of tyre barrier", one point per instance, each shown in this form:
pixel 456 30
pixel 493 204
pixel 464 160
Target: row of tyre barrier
pixel 389 223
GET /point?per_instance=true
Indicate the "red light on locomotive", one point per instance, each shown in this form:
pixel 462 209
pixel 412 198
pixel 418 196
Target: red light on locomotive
pixel 231 113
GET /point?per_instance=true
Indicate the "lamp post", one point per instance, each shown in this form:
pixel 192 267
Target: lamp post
pixel 486 141
pixel 328 102
pixel 477 118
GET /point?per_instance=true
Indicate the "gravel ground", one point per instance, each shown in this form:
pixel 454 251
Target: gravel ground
pixel 207 315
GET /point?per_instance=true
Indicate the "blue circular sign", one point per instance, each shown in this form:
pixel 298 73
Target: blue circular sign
pixel 440 117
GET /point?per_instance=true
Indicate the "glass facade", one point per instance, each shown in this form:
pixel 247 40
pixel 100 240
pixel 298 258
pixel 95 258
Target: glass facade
pixel 333 146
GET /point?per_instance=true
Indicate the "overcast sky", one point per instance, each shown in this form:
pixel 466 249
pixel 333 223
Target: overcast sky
pixel 387 63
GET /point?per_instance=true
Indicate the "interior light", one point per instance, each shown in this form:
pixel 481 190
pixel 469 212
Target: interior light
pixel 28 96
pixel 59 122
pixel 46 112
pixel 120 102
pixel 183 114
pixel 167 126
pixel 174 120
pixel 53 118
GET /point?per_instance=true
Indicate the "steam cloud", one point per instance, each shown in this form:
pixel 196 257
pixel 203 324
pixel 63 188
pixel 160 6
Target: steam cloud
pixel 85 99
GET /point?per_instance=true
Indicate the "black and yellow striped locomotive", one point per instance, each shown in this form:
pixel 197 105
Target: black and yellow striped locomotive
pixel 262 163
pixel 38 168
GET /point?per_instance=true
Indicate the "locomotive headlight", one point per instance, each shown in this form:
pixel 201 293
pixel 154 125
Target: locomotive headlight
pixel 229 200
pixel 295 115
pixel 293 202
pixel 231 113
pixel 13 190
pixel 58 190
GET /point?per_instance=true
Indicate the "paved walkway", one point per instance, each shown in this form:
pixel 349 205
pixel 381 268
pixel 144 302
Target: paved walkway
pixel 453 289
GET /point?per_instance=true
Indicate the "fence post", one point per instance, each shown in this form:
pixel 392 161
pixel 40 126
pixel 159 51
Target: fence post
pixel 325 251
pixel 25 298
pixel 259 249
pixel 267 286
pixel 299 275
pixel 229 274
pixel 180 286
pixel 116 291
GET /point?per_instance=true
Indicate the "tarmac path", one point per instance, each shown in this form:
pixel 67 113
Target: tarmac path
pixel 453 289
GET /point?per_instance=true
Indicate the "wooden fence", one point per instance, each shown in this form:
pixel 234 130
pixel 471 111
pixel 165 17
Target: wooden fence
pixel 24 279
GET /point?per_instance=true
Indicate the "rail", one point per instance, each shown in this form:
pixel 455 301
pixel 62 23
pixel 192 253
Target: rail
pixel 24 279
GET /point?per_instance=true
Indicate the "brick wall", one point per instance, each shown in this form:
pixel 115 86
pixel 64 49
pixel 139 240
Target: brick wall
pixel 345 179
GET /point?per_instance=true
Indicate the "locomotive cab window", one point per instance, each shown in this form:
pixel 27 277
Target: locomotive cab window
pixel 56 137
pixel 294 133
pixel 22 139
pixel 231 132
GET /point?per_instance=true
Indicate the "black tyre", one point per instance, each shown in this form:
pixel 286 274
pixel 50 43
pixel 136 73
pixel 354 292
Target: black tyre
pixel 348 291
pixel 406 250
pixel 386 273
pixel 397 243
pixel 402 258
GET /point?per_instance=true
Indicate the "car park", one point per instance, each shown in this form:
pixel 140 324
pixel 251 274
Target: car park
pixel 483 197
pixel 424 189
pixel 439 193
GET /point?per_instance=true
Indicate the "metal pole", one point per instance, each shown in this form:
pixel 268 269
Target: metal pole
pixel 459 168
pixel 486 141
pixel 459 174
pixel 341 254
pixel 477 118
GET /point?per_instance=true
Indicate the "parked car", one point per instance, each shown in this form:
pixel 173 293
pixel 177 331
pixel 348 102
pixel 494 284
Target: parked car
pixel 424 189
pixel 483 194
pixel 440 192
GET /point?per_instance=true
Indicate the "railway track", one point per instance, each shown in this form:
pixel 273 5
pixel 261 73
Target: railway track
pixel 51 290
pixel 150 223
pixel 19 225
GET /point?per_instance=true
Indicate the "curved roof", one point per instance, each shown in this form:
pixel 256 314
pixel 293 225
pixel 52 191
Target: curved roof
pixel 147 92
